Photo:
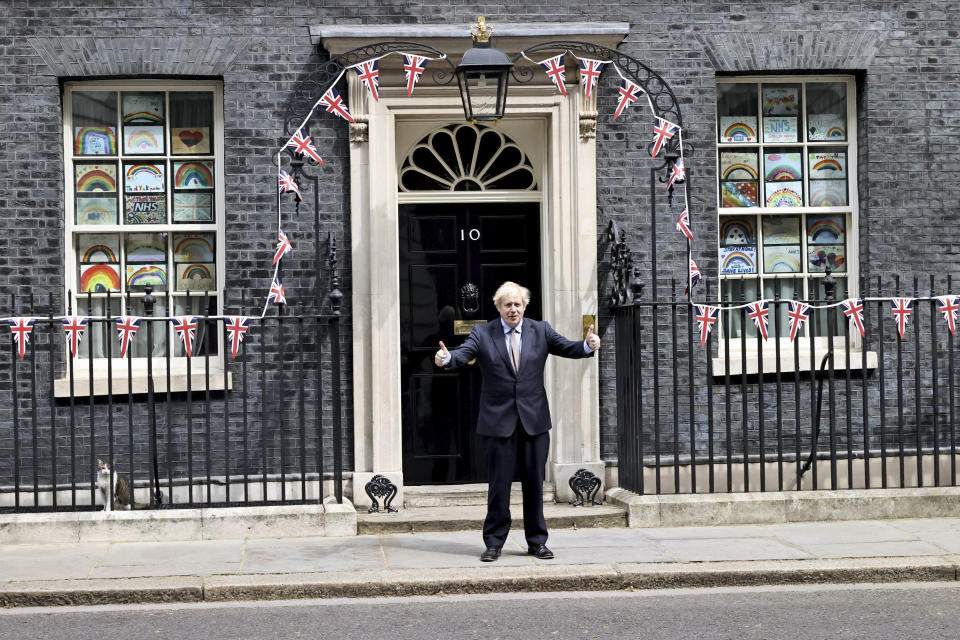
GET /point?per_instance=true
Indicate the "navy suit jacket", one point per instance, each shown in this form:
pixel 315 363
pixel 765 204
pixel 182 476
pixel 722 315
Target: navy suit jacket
pixel 507 395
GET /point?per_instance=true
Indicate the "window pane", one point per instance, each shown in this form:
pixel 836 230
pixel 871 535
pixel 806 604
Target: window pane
pixel 143 120
pixel 738 245
pixel 140 346
pixel 100 335
pixel 826 243
pixel 95 191
pixel 98 258
pixel 782 252
pixel 737 112
pixel 819 316
pixel 828 177
pixel 94 123
pixel 191 122
pixel 734 321
pixel 145 199
pixel 781 112
pixel 783 178
pixel 826 111
pixel 194 258
pixel 146 259
pixel 193 191
pixel 784 289
pixel 739 176
pixel 198 306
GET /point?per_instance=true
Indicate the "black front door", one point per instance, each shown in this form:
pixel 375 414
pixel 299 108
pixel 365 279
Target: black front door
pixel 442 248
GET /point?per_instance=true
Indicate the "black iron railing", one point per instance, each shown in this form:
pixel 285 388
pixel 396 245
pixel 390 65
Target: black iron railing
pixel 830 410
pixel 206 430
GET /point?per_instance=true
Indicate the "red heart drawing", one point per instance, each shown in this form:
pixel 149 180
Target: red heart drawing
pixel 191 138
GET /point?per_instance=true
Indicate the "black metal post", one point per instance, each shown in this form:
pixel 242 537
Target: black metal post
pixel 149 300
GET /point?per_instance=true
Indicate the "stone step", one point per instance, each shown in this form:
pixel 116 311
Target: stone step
pixel 461 495
pixel 470 518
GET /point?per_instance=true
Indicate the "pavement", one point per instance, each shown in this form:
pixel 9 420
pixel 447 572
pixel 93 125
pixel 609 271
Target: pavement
pixel 431 563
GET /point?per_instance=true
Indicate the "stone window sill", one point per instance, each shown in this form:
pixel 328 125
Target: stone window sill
pixel 752 363
pixel 123 383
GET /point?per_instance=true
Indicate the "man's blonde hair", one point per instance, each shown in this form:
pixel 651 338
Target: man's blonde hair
pixel 511 287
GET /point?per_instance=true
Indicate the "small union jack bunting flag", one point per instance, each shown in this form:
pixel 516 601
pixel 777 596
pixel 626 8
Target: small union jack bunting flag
pixel 335 105
pixel 662 131
pixel 276 293
pixel 798 314
pixel 853 309
pixel 706 317
pixel 283 247
pixel 902 308
pixel 759 312
pixel 369 73
pixel 237 327
pixel 628 94
pixel 126 328
pixel 694 276
pixel 589 74
pixel 21 328
pixel 287 183
pixel 683 224
pixel 303 145
pixel 74 326
pixel 677 174
pixel 556 71
pixel 413 68
pixel 949 307
pixel 186 328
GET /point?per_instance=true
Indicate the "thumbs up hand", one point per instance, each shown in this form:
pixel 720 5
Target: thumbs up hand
pixel 593 340
pixel 441 355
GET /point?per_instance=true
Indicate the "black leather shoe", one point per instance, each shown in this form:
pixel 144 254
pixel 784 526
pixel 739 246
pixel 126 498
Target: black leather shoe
pixel 491 554
pixel 540 551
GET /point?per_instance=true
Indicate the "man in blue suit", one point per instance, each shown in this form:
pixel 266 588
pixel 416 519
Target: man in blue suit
pixel 514 420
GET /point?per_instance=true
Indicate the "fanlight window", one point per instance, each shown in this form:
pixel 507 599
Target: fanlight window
pixel 466 157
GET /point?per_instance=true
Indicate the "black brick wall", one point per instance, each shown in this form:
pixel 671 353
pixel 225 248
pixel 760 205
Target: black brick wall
pixel 905 60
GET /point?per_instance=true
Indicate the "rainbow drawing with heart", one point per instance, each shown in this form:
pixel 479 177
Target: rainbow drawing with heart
pixel 95 141
pixel 99 278
pixel 192 140
pixel 143 139
pixel 193 175
pixel 739 132
pixel 737 231
pixel 194 249
pixel 96 178
pixel 736 260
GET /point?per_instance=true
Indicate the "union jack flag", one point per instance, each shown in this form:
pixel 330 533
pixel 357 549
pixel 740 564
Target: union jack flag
pixel 283 247
pixel 236 327
pixel 589 74
pixel 126 328
pixel 276 293
pixel 21 328
pixel 413 68
pixel 678 173
pixel 557 71
pixel 628 94
pixel 694 276
pixel 798 314
pixel 334 104
pixel 287 183
pixel 759 312
pixel 683 224
pixel 74 326
pixel 706 316
pixel 902 308
pixel 369 73
pixel 662 131
pixel 949 307
pixel 303 145
pixel 186 328
pixel 853 309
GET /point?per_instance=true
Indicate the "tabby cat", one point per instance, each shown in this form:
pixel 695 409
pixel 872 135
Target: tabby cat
pixel 122 490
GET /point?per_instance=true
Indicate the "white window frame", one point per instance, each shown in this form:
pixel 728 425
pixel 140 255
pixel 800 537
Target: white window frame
pixel 178 364
pixel 852 210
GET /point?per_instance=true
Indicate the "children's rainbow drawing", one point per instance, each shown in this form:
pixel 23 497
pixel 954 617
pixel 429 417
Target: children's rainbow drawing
pixel 828 193
pixel 825 229
pixel 782 167
pixel 195 277
pixel 193 175
pixel 738 260
pixel 142 275
pixel 96 211
pixel 145 247
pixel 99 278
pixel 99 253
pixel 143 177
pixel 739 132
pixel 95 141
pixel 836 132
pixel 781 259
pixel 739 194
pixel 737 231
pixel 193 249
pixel 143 139
pixel 96 177
pixel 740 171
pixel 784 197
pixel 827 256
pixel 143 108
pixel 828 166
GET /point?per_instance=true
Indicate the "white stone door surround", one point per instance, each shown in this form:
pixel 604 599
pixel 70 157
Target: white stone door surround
pixel 557 134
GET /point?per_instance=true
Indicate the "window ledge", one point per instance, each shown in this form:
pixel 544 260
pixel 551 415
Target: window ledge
pixel 752 364
pixel 137 383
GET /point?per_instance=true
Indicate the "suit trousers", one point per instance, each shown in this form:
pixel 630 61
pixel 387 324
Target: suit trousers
pixel 527 454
